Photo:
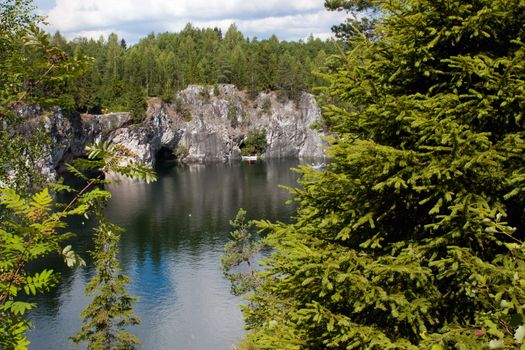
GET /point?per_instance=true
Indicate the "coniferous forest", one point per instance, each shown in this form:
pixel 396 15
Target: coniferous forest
pixel 411 236
pixel 160 65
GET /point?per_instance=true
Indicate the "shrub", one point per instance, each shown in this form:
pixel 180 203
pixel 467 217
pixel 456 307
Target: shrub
pixel 182 109
pixel 204 93
pixel 255 142
pixel 232 114
pixel 266 105
pixel 181 151
pixel 216 90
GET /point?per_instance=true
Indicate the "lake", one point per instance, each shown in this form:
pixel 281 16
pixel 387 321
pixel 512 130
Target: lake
pixel 175 232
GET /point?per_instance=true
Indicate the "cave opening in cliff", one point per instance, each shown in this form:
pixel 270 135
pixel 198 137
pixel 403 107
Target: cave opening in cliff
pixel 165 154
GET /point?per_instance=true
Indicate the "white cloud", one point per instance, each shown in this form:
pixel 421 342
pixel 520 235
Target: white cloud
pixel 290 20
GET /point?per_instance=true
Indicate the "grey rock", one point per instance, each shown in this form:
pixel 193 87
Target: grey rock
pixel 200 126
pixel 71 133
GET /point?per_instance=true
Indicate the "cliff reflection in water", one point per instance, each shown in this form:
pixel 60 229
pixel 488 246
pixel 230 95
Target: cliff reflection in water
pixel 176 230
pixel 188 204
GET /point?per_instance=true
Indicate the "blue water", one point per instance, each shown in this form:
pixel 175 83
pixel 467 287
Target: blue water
pixel 175 232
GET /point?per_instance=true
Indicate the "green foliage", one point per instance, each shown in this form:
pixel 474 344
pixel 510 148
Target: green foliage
pixel 233 115
pixel 181 151
pixel 32 70
pixel 290 81
pixel 412 236
pixel 165 63
pixel 266 105
pixel 216 90
pixel 31 228
pixel 183 109
pixel 110 312
pixel 167 94
pixel 356 24
pixel 204 93
pixel 255 142
pixel 34 227
pixel 136 104
pixel 241 249
pixel 245 344
pixel 115 158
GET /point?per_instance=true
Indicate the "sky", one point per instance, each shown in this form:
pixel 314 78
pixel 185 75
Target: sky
pixel 134 19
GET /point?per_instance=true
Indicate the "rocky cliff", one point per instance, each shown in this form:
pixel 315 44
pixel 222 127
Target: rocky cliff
pixel 200 124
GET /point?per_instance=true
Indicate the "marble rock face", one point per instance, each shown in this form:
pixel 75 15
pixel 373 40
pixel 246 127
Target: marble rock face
pixel 197 126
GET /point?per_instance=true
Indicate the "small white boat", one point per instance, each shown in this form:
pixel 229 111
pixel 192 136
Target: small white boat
pixel 249 157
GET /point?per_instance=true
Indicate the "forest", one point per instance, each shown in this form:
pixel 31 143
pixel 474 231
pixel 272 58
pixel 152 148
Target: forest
pixel 119 76
pixel 410 237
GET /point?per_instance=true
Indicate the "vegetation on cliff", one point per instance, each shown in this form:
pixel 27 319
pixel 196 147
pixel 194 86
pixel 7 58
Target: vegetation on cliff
pixel 255 142
pixel 412 236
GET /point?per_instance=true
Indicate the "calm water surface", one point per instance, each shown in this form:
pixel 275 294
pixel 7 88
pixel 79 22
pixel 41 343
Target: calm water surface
pixel 176 230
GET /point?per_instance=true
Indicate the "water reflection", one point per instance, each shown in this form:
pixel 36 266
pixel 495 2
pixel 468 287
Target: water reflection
pixel 176 230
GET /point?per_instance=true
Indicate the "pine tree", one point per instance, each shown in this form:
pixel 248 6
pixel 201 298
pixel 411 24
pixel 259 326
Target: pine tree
pixel 110 311
pixel 412 236
pixel 86 91
pixel 165 63
pixel 289 80
pixel 241 249
pixel 113 87
pixel 136 103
